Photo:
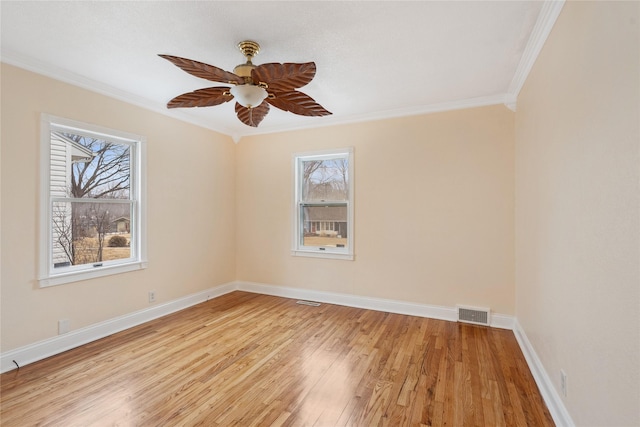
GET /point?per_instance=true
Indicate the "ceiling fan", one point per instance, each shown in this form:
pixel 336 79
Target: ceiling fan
pixel 254 87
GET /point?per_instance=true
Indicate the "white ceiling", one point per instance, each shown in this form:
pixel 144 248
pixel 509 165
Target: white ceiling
pixel 374 59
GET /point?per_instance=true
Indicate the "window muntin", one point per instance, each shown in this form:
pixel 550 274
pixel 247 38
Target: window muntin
pixel 323 204
pixel 93 210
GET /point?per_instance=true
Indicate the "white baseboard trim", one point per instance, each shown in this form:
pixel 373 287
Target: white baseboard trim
pixel 378 304
pixel 501 321
pixel 49 347
pixel 551 397
pixel 52 346
pixel 55 345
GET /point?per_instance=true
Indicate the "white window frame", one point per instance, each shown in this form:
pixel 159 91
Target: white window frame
pixel 138 258
pixel 298 249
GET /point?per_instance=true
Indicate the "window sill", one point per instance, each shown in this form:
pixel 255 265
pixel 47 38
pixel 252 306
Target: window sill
pixel 76 276
pixel 326 255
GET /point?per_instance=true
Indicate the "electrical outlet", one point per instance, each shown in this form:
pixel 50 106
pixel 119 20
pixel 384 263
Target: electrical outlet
pixel 152 296
pixel 563 382
pixel 63 326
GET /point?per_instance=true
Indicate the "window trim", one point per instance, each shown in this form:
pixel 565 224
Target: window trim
pixel 46 275
pixel 314 251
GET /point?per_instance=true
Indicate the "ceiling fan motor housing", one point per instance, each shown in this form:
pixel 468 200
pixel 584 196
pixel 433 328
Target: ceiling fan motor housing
pixel 249 49
pixel 244 70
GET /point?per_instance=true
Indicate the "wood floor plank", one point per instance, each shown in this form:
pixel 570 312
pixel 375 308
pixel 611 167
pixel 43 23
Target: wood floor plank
pixel 255 360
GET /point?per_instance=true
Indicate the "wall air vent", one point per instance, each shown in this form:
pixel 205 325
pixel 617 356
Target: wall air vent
pixel 475 315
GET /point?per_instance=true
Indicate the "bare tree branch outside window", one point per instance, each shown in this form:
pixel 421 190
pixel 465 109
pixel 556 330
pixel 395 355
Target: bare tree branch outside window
pixel 325 179
pixel 79 225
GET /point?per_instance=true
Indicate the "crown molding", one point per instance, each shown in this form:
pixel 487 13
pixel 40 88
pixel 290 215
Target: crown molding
pixel 39 67
pixel 544 24
pixel 385 114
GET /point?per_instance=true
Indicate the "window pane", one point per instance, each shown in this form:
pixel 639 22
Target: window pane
pixel 87 233
pixel 325 179
pixel 85 167
pixel 324 226
pixel 323 202
pixel 92 220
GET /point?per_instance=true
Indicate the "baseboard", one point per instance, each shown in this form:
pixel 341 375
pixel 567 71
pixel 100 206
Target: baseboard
pixel 556 407
pixel 49 347
pixel 501 321
pixel 378 304
pixel 52 346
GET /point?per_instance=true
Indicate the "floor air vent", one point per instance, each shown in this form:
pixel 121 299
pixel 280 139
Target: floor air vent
pixel 311 303
pixel 475 315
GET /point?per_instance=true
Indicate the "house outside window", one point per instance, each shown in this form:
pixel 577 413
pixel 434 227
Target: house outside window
pixel 92 215
pixel 323 216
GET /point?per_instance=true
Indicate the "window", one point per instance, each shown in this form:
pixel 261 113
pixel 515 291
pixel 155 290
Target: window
pixel 323 225
pixel 92 202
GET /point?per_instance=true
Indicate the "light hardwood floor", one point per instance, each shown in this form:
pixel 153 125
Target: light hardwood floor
pixel 247 359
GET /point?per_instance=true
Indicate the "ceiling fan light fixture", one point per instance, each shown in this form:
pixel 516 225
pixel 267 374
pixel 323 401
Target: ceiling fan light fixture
pixel 249 96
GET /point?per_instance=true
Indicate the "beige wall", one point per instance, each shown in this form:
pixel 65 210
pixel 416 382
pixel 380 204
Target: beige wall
pixel 577 210
pixel 433 209
pixel 190 182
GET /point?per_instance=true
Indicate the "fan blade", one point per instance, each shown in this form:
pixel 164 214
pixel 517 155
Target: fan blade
pixel 284 77
pixel 204 71
pixel 252 116
pixel 201 98
pixel 297 103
